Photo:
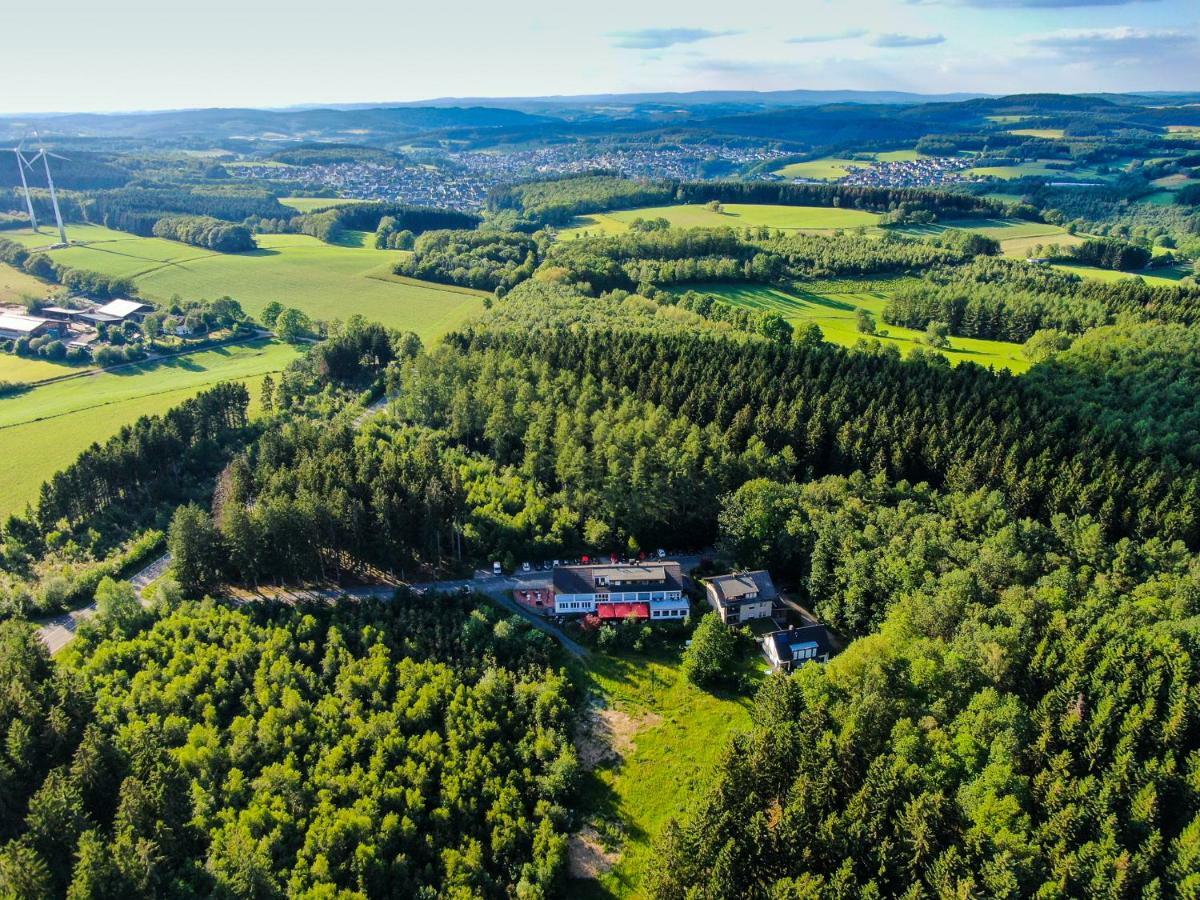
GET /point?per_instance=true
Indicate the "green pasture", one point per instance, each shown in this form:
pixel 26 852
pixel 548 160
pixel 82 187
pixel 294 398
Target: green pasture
pixel 16 285
pixel 1016 236
pixel 24 370
pixel 1183 131
pixel 833 305
pixel 677 733
pixel 829 168
pixel 326 281
pixel 1159 277
pixel 1021 170
pixel 1050 134
pixel 308 204
pixel 46 428
pixel 733 215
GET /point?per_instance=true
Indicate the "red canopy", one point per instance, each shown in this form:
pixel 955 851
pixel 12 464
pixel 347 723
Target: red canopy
pixel 622 610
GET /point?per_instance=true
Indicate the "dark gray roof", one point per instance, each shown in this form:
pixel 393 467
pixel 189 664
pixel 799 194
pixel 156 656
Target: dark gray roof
pixel 817 634
pixel 731 588
pixel 652 576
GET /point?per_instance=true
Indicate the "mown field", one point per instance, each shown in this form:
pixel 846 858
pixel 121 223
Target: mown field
pixel 829 168
pixel 1015 235
pixel 16 285
pixel 834 306
pixel 45 428
pixel 308 204
pixel 669 734
pixel 1050 134
pixel 733 215
pixel 323 280
pixel 23 370
pixel 1159 277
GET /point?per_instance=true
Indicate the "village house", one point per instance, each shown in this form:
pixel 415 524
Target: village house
pixel 792 648
pixel 742 596
pixel 14 326
pixel 651 591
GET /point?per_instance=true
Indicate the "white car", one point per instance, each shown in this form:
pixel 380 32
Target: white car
pixel 496 570
pixel 526 567
pixel 662 554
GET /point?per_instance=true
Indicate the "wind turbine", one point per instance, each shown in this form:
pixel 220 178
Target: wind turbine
pixel 22 165
pixel 45 156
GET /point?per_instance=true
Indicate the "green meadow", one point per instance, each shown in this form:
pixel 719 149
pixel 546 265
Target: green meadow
pixel 732 215
pixel 308 204
pixel 1050 134
pixel 16 285
pixel 669 734
pixel 1158 277
pixel 47 427
pixel 23 370
pixel 326 281
pixel 834 305
pixel 829 168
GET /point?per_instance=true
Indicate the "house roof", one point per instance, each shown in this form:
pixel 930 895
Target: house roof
pixel 732 588
pixel 120 308
pixel 623 610
pixel 657 576
pixel 785 641
pixel 20 323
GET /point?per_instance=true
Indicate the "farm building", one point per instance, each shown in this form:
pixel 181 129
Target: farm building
pixel 115 312
pixel 14 326
pixel 646 591
pixel 787 650
pixel 742 596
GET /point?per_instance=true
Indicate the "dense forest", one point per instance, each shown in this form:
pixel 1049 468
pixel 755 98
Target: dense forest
pixel 1011 300
pixel 385 748
pixel 478 259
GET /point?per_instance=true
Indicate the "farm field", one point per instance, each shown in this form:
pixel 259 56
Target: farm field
pixel 1051 134
pixel 1015 235
pixel 834 305
pixel 24 370
pixel 734 215
pixel 325 281
pixel 16 285
pixel 1036 167
pixel 44 429
pixel 1157 277
pixel 670 734
pixel 308 204
pixel 828 168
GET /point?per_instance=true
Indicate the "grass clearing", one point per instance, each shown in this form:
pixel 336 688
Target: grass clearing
pixel 310 204
pixel 46 428
pixel 733 215
pixel 325 281
pixel 1021 170
pixel 1164 277
pixel 833 305
pixel 1050 134
pixel 673 734
pixel 829 168
pixel 16 285
pixel 25 370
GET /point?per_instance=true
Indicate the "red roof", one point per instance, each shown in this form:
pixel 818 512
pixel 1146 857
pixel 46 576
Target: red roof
pixel 623 610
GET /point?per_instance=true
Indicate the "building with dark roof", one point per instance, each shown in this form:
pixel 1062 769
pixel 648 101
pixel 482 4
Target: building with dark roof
pixel 651 590
pixel 787 650
pixel 742 596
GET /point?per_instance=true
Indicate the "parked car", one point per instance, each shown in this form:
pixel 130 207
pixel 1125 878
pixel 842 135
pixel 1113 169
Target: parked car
pixel 662 554
pixel 496 569
pixel 526 567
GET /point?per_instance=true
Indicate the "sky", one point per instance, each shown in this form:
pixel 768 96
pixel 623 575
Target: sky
pixel 85 55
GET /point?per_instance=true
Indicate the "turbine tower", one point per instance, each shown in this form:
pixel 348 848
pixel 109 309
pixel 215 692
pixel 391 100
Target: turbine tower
pixel 45 155
pixel 22 165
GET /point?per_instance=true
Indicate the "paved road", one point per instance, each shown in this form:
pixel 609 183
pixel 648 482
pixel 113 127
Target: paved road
pixel 58 631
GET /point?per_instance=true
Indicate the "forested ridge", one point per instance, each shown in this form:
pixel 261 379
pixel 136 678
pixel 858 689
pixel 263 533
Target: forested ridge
pixel 385 749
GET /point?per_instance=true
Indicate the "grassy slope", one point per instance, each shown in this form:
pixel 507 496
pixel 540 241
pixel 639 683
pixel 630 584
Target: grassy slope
pixel 16 285
pixel 682 734
pixel 308 204
pixel 324 280
pixel 43 430
pixel 24 370
pixel 834 306
pixel 735 215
